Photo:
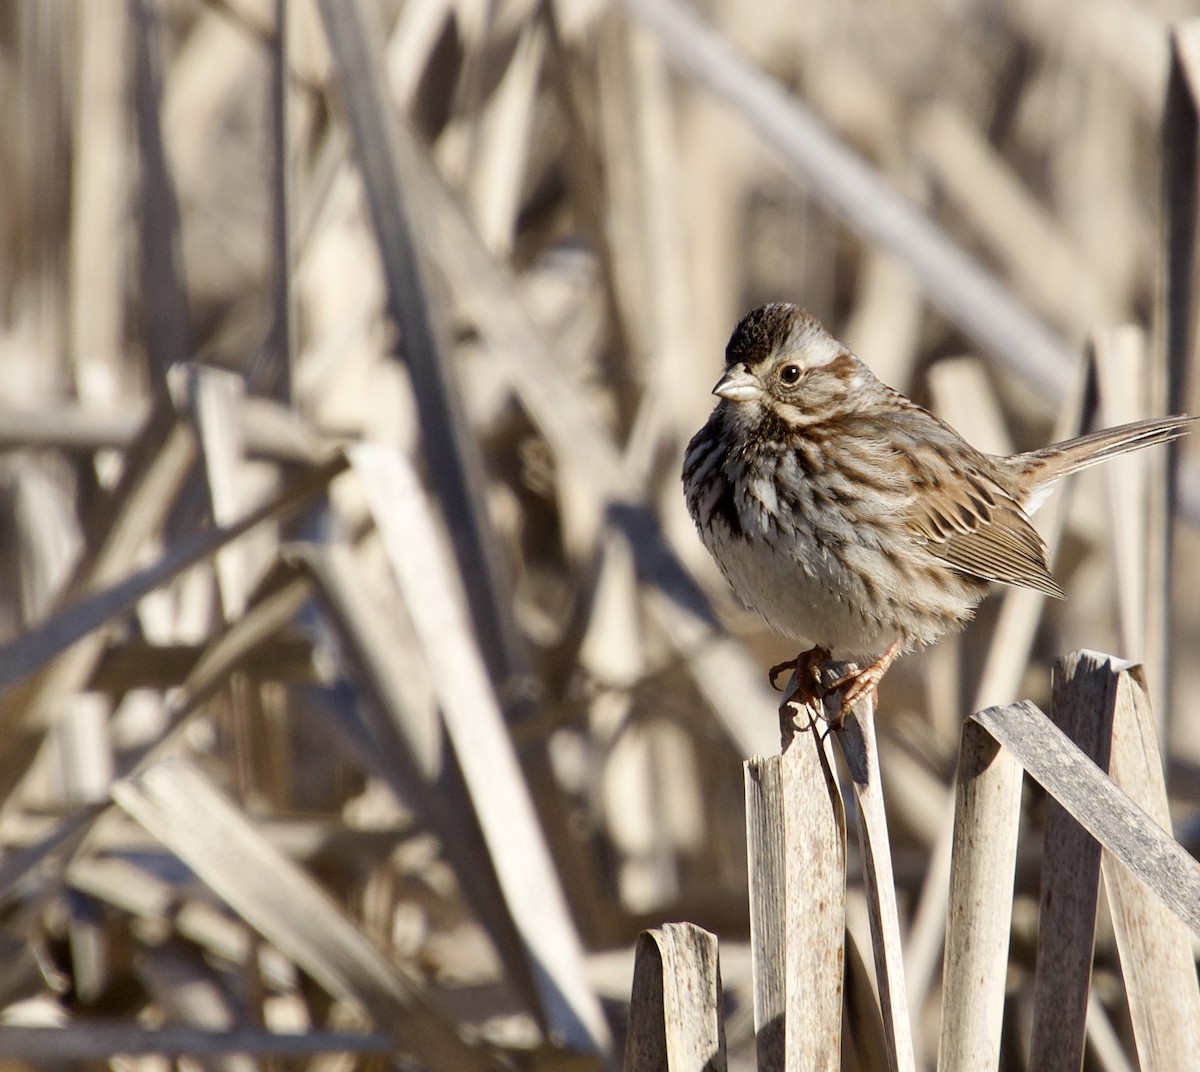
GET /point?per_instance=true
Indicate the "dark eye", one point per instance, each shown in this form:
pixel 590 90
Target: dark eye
pixel 789 375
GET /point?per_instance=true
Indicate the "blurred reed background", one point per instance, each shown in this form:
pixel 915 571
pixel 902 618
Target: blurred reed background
pixel 363 678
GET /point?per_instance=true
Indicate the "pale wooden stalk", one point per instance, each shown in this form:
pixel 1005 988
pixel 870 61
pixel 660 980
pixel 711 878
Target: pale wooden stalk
pixel 98 203
pixel 269 431
pixel 475 725
pixel 796 830
pixel 1154 944
pixel 676 1022
pixel 34 648
pixel 814 904
pixel 1052 760
pixel 1070 878
pixel 215 396
pixel 93 967
pixel 954 282
pixel 766 852
pixel 1048 269
pixel 176 803
pixel 986 820
pixel 72 426
pixel 85 751
pixel 856 739
pixel 1122 379
pixel 97 1042
pixel 1106 705
pixel 450 446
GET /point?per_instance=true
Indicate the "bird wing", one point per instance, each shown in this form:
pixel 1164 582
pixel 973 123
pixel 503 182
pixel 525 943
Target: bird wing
pixel 970 522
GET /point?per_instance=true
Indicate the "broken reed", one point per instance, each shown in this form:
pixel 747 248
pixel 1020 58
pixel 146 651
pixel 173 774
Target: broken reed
pixel 1096 758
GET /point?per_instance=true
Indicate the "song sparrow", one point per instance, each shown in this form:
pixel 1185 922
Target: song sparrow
pixel 851 518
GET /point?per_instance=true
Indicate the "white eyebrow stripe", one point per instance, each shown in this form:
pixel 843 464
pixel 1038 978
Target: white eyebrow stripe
pixel 810 346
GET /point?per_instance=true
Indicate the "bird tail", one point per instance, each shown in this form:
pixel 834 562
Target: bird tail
pixel 1044 466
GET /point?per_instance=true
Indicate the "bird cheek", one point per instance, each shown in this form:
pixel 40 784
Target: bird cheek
pixel 792 413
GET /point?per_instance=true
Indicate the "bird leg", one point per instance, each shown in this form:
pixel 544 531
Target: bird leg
pixel 806 666
pixel 863 683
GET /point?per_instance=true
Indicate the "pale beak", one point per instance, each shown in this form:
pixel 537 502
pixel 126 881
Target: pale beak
pixel 739 384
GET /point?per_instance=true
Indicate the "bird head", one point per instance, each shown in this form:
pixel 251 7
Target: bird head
pixel 780 362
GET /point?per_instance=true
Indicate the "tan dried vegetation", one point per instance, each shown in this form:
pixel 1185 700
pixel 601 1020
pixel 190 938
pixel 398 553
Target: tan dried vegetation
pixel 365 691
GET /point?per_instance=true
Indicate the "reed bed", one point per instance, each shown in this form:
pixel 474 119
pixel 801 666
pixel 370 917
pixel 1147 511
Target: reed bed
pixel 364 690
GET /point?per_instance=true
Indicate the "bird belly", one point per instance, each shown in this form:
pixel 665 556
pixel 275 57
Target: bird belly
pixel 801 596
pixel 841 591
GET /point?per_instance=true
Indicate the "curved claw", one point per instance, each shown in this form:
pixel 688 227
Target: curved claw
pixel 806 666
pixel 779 668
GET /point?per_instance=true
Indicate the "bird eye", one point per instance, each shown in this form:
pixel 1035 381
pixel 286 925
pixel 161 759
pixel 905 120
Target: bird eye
pixel 789 374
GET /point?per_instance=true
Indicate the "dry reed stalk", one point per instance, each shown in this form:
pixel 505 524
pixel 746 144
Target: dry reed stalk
pixel 99 1041
pixel 986 818
pixel 1070 889
pixel 855 734
pixel 474 723
pixel 1153 942
pixel 797 880
pixel 956 284
pixel 1056 278
pixel 797 845
pixel 676 1020
pixel 590 223
pixel 358 58
pixel 1099 806
pixel 176 803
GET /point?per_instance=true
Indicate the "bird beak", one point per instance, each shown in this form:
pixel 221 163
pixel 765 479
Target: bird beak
pixel 739 384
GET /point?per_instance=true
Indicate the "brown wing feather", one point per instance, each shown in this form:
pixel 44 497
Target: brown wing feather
pixel 969 521
pixel 1002 550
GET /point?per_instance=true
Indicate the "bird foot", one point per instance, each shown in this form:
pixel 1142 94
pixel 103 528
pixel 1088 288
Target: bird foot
pixel 807 668
pixel 860 684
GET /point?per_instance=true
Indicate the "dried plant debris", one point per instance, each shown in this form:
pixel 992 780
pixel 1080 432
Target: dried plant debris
pixel 363 684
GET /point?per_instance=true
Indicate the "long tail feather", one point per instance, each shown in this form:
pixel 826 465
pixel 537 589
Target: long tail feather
pixel 1050 463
